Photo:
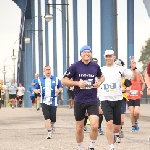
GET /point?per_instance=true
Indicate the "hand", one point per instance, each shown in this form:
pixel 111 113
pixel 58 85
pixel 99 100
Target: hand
pixel 81 84
pixel 36 91
pixel 57 91
pixel 132 62
pixel 141 92
pixel 96 84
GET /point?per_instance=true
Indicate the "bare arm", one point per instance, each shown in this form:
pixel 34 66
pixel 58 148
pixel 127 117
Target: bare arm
pixel 67 82
pixel 143 83
pixel 147 79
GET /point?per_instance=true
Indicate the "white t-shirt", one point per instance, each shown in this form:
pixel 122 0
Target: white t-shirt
pixel 20 90
pixel 111 88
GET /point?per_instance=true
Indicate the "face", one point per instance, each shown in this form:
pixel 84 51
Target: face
pixel 12 80
pixel 109 59
pixel 86 55
pixel 47 71
pixel 36 76
pixel 20 84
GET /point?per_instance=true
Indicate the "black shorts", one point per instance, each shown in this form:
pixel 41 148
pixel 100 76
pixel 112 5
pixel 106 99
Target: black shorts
pixel 123 108
pixel 20 97
pixel 49 112
pixel 37 95
pixel 32 99
pixel 80 109
pixel 12 96
pixel 134 102
pixel 70 94
pixel 112 111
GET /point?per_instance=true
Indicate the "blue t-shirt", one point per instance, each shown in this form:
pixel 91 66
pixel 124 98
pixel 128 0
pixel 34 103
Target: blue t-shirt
pixel 12 88
pixel 31 88
pixel 87 72
pixel 35 81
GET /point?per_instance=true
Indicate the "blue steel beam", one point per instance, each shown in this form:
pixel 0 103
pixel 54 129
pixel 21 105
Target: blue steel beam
pixel 40 36
pixel 75 29
pixel 28 60
pixel 54 41
pixel 89 23
pixel 63 7
pixel 107 27
pixel 130 30
pixel 46 36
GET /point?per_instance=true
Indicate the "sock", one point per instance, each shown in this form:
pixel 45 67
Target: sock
pixel 116 134
pixel 85 120
pixel 121 127
pixel 100 120
pixel 49 131
pixel 111 145
pixel 79 145
pixel 92 143
pixel 136 122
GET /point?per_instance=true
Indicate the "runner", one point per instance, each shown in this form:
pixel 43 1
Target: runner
pixel 83 73
pixel 111 96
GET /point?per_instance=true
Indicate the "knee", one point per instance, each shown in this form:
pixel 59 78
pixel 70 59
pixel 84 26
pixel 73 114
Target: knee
pixel 79 129
pixel 110 124
pixel 94 127
pixel 116 129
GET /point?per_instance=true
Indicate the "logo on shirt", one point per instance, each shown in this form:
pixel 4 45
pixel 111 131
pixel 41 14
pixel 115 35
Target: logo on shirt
pixel 110 87
pixel 86 75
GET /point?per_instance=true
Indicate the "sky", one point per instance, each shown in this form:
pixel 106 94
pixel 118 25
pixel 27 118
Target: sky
pixel 10 27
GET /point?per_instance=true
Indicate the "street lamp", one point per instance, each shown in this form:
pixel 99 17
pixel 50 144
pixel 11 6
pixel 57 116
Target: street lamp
pixel 4 73
pixel 13 57
pixel 48 17
pixel 27 39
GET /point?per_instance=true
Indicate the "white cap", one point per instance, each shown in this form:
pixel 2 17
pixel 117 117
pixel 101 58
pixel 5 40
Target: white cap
pixel 109 52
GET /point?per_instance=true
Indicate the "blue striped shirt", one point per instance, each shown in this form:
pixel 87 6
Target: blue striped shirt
pixel 48 87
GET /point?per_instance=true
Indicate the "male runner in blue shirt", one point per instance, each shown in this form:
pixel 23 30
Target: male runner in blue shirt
pixel 49 86
pixel 83 73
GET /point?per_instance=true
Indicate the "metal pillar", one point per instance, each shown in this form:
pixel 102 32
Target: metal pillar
pixel 40 35
pixel 46 37
pixel 75 28
pixel 28 66
pixel 107 27
pixel 63 7
pixel 89 23
pixel 54 40
pixel 33 39
pixel 130 30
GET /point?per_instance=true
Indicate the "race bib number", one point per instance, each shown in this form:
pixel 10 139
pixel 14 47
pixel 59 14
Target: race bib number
pixel 110 87
pixel 134 93
pixel 89 84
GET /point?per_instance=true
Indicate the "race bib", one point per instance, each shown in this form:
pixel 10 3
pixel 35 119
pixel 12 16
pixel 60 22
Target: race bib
pixel 89 84
pixel 109 87
pixel 134 93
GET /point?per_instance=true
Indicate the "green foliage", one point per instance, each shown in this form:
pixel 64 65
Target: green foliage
pixel 145 55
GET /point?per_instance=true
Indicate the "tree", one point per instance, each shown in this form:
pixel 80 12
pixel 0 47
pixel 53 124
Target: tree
pixel 145 55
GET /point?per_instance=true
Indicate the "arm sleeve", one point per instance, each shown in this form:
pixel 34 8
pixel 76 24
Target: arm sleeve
pixel 99 72
pixel 127 74
pixel 127 83
pixel 70 72
pixel 37 86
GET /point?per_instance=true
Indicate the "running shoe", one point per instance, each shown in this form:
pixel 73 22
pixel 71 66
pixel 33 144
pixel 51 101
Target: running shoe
pixel 121 134
pixel 49 136
pixel 100 131
pixel 132 129
pixel 85 128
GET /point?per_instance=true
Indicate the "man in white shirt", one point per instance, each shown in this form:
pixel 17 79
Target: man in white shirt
pixel 110 95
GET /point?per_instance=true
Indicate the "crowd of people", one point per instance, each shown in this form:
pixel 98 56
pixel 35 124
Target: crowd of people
pixel 93 92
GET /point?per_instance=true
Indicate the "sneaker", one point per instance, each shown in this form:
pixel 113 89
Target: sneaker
pixel 100 131
pixel 121 134
pixel 137 127
pixel 90 148
pixel 38 109
pixel 132 129
pixel 85 128
pixel 111 149
pixel 118 140
pixel 49 136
